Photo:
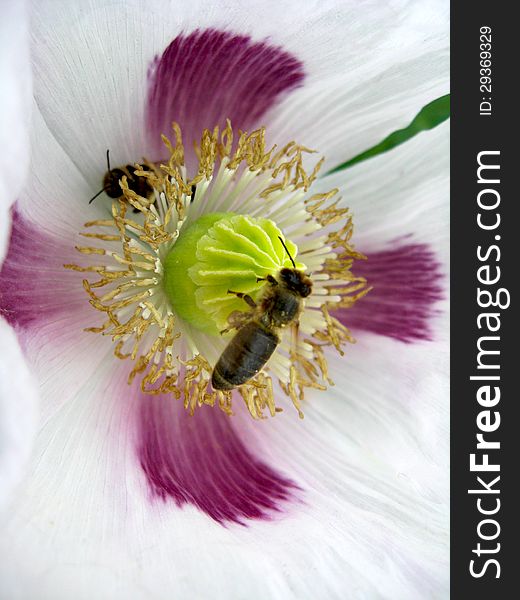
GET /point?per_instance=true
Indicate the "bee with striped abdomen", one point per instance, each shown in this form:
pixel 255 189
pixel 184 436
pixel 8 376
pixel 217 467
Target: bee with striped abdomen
pixel 257 338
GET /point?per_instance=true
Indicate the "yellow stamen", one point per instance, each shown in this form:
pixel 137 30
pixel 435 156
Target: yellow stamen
pixel 167 356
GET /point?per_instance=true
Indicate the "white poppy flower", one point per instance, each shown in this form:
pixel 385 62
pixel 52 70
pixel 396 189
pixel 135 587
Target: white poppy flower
pixel 127 495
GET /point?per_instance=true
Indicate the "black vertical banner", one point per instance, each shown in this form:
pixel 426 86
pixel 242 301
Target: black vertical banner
pixel 485 363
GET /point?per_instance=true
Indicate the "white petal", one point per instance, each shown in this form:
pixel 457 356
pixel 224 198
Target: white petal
pixel 401 193
pixel 370 68
pixel 400 205
pixel 373 458
pixel 15 105
pixel 369 457
pixel 387 63
pixel 18 408
pixel 56 196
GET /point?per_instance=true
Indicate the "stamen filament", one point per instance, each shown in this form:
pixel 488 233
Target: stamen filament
pixel 247 193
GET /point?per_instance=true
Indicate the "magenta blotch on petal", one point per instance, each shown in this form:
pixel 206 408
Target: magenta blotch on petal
pixel 207 76
pixel 200 460
pixel 34 286
pixel 407 283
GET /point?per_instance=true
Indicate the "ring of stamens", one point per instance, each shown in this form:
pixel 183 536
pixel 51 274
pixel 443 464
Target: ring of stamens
pixel 246 178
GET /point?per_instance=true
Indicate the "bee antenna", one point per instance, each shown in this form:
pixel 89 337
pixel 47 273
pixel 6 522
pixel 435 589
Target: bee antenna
pixel 288 253
pixel 107 186
pixel 100 192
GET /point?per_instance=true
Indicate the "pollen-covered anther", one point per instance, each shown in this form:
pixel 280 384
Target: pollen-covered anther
pixel 160 274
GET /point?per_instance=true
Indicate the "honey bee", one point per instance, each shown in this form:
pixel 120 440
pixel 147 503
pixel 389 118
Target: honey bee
pixel 257 339
pixel 136 183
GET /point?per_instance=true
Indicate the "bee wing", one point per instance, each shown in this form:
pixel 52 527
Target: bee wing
pixel 237 319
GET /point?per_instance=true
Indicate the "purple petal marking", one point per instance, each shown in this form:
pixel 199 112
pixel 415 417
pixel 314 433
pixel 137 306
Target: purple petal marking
pixel 201 460
pixel 34 286
pixel 207 76
pixel 407 282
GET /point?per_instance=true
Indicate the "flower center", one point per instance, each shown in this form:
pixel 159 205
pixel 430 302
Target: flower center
pixel 218 253
pixel 196 252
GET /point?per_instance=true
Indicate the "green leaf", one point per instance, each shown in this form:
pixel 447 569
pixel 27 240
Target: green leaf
pixel 429 117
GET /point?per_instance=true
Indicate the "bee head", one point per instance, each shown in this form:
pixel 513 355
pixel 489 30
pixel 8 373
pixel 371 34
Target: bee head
pixel 111 183
pixel 296 281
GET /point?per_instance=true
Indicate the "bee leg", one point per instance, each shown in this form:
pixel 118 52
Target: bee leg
pixel 250 302
pixel 269 278
pixel 236 320
pixel 295 331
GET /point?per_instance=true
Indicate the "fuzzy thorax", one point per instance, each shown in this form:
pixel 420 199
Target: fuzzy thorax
pixel 163 273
